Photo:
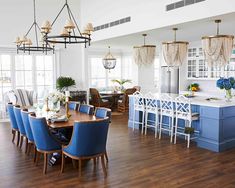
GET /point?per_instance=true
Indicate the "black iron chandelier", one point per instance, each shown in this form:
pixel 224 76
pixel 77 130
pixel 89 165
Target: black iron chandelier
pixel 25 44
pixel 70 34
pixel 109 62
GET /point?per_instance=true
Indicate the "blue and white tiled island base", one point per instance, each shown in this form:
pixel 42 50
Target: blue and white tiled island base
pixel 216 124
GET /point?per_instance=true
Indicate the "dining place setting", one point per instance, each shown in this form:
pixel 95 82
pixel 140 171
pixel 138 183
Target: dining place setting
pixel 59 129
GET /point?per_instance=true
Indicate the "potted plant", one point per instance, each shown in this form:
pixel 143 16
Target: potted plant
pixel 64 82
pixel 121 83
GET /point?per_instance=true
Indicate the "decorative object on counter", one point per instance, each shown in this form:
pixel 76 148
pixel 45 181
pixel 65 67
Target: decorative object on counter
pixel 25 44
pixel 67 95
pixel 121 83
pixel 55 99
pixel 64 82
pixel 194 87
pixel 217 49
pixel 175 52
pixel 145 54
pixel 70 34
pixel 227 84
pixel 109 62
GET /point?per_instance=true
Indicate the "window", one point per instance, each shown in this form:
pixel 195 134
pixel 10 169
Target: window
pixel 101 78
pixel 157 67
pixel 31 72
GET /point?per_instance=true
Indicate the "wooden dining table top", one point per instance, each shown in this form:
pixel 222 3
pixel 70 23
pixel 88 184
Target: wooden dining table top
pixel 75 117
pixel 113 93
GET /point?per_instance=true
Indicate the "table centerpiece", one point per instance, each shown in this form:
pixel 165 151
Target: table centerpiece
pixel 227 84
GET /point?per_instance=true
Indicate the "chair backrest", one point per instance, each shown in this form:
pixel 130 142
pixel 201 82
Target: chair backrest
pixel 89 138
pixel 17 112
pixel 102 112
pixel 87 109
pixel 25 119
pixel 95 97
pixel 125 99
pixel 138 101
pixel 183 107
pixel 73 105
pixel 42 137
pixel 166 105
pixel 151 103
pixel 137 88
pixel 10 109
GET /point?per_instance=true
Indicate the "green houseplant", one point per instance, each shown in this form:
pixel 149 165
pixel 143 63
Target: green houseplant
pixel 64 82
pixel 121 83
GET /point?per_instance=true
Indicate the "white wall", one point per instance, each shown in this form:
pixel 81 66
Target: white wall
pixel 146 15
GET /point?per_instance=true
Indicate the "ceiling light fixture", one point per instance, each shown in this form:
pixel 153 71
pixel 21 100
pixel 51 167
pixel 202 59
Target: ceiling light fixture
pixel 174 52
pixel 109 62
pixel 25 44
pixel 217 49
pixel 70 33
pixel 145 54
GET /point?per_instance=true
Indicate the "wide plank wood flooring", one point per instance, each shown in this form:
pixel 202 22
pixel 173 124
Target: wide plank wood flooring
pixel 135 160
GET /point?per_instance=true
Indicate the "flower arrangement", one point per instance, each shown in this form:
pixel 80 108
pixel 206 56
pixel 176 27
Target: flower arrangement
pixel 121 83
pixel 227 84
pixel 194 87
pixel 56 96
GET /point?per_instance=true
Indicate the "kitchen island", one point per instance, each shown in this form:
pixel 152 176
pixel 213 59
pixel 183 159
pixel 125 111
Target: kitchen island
pixel 216 124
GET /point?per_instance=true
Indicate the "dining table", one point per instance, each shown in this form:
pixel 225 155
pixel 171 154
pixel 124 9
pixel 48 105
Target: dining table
pixel 115 95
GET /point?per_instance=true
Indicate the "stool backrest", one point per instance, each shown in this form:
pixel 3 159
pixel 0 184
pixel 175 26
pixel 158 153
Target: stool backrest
pixel 151 103
pixel 138 101
pixel 166 105
pixel 183 107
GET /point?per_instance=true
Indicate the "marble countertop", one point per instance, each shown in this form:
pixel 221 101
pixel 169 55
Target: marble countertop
pixel 201 100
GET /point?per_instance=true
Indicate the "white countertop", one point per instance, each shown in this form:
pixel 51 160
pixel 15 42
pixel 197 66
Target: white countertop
pixel 201 100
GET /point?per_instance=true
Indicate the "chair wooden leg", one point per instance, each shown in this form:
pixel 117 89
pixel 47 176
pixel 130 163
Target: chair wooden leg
pixel 13 135
pixel 74 163
pixel 26 145
pixel 35 154
pixel 45 163
pixel 21 140
pixel 62 163
pixel 29 148
pixel 80 168
pixel 103 166
pixel 18 138
pixel 94 160
pixel 106 156
pixel 37 157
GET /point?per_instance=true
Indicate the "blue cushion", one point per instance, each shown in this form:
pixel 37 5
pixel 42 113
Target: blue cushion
pixel 88 109
pixel 42 137
pixel 89 138
pixel 17 112
pixel 12 116
pixel 25 119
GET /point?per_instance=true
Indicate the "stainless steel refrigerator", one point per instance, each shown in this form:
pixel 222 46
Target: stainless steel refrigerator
pixel 169 79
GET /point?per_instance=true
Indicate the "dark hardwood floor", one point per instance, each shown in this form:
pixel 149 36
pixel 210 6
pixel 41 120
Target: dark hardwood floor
pixel 135 160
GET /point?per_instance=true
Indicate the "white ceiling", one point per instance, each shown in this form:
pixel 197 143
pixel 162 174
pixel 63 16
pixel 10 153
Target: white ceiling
pixel 191 31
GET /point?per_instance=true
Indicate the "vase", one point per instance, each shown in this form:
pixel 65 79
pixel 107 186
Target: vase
pixel 228 95
pixel 56 106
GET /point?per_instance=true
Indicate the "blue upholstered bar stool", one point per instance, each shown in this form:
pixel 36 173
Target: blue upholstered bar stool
pixel 17 112
pixel 102 112
pixel 184 112
pixel 87 109
pixel 44 141
pixel 29 134
pixel 88 142
pixel 14 125
pixel 73 105
pixel 167 112
pixel 151 108
pixel 139 106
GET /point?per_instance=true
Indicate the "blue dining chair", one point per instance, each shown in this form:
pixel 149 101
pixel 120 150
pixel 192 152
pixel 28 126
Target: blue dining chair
pixel 73 105
pixel 44 141
pixel 88 142
pixel 28 131
pixel 17 112
pixel 14 125
pixel 87 109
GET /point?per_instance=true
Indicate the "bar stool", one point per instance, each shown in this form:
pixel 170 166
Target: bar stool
pixel 184 112
pixel 151 107
pixel 166 110
pixel 140 107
